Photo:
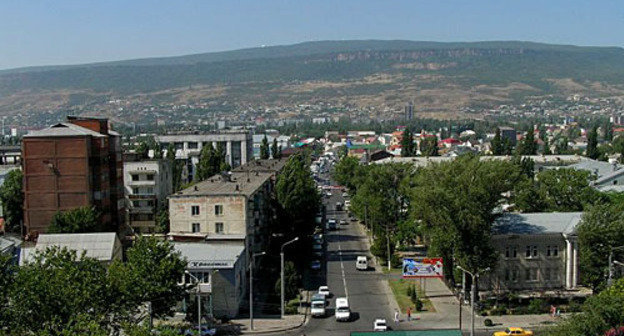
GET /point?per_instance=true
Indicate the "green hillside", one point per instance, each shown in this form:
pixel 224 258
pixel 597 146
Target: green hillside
pixel 467 63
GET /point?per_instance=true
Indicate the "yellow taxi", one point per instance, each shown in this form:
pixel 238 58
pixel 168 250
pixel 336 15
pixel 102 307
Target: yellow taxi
pixel 513 332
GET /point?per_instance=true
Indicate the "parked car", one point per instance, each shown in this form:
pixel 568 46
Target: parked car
pixel 343 222
pixel 318 238
pixel 331 224
pixel 205 331
pixel 513 332
pixel 318 250
pixel 361 263
pixel 315 265
pixel 324 290
pixel 328 194
pixel 380 325
pixel 344 194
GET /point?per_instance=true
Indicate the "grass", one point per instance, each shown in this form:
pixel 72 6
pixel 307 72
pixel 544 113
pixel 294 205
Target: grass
pixel 399 289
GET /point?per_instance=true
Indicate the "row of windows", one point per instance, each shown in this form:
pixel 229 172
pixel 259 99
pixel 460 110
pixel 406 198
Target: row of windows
pixel 531 251
pixel 533 274
pixel 143 191
pixel 218 209
pixel 148 177
pixel 196 227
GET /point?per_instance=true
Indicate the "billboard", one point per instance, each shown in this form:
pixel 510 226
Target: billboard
pixel 423 268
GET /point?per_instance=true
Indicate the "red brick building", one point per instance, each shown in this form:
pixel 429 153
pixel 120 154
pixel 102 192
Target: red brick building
pixel 69 165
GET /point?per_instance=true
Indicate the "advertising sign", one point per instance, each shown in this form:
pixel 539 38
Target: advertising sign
pixel 423 268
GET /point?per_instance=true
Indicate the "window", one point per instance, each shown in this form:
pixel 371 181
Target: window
pixel 531 274
pixel 135 177
pixel 150 190
pixel 528 251
pixel 515 252
pixel 507 252
pixel 507 274
pixel 135 191
pixel 548 250
pixel 547 274
pixel 195 227
pixel 194 210
pixel 136 204
pixel 514 275
pixel 555 251
pixel 150 177
pixel 535 251
pixel 219 228
pixel 218 210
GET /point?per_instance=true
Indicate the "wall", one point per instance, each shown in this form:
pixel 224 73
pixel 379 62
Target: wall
pixel 233 217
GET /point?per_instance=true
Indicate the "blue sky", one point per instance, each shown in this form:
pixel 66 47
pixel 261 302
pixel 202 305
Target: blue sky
pixel 34 32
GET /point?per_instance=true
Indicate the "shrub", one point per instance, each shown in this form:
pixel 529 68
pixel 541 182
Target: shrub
pixel 410 290
pixel 537 306
pixel 498 311
pixel 418 305
pixel 488 322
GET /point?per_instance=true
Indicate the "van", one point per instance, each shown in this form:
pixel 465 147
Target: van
pixel 343 312
pixel 317 305
pixel 361 263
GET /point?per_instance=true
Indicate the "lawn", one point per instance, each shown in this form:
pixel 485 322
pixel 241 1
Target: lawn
pixel 399 289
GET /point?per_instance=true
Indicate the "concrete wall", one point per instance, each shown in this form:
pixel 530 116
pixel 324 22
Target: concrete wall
pixel 233 218
pixel 229 290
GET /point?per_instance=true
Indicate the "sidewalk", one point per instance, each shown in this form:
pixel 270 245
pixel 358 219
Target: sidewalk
pixel 263 325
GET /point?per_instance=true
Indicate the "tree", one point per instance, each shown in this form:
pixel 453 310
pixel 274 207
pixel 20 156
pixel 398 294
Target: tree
pixel 264 149
pixel 275 149
pixel 528 145
pixel 592 144
pixel 347 172
pixel 296 193
pixel 561 146
pixel 567 189
pixel 209 163
pixel 142 150
pixel 162 220
pixel 601 228
pixel 497 144
pixel 407 144
pixel 12 198
pixel 221 153
pixel 608 131
pixel 546 150
pixel 618 146
pixel 291 279
pixel 79 220
pixel 176 168
pixel 429 146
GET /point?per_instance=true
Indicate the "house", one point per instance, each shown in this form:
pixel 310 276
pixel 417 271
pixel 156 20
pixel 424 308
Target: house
pixel 538 252
pixel 222 271
pixel 103 246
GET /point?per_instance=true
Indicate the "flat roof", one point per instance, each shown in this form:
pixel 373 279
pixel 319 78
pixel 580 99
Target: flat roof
pixel 204 255
pixel 62 130
pixel 236 183
pixel 536 223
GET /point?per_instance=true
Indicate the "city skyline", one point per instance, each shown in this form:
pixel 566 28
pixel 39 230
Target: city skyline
pixel 73 32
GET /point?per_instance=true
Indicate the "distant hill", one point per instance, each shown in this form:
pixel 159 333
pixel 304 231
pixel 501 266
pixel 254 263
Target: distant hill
pixel 536 67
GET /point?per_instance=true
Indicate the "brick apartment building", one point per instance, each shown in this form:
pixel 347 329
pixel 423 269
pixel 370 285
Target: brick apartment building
pixel 69 165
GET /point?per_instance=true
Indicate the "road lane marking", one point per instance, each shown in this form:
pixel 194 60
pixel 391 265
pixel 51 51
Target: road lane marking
pixel 344 278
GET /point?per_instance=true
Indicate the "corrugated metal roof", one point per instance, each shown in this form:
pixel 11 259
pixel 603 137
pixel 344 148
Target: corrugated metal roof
pixel 536 223
pixel 210 252
pixel 63 129
pixel 100 246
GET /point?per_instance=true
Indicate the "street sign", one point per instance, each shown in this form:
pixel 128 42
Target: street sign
pixel 423 268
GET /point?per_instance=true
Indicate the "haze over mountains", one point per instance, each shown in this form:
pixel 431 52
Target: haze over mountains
pixel 439 77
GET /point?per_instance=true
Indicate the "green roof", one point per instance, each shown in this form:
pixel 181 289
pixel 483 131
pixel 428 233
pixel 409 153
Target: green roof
pixel 446 332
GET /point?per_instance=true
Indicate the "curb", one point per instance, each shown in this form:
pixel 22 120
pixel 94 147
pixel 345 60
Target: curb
pixel 291 328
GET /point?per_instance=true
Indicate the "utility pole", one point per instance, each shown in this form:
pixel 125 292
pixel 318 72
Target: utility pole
pixel 198 310
pixel 251 265
pixel 388 245
pixel 151 320
pixel 282 272
pixel 473 289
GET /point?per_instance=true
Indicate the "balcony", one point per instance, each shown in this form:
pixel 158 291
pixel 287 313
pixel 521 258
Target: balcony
pixel 142 196
pixel 148 183
pixel 144 209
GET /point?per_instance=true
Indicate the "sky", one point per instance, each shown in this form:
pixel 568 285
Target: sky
pixel 38 32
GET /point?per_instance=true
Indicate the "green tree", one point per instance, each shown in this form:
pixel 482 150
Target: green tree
pixel 546 150
pixel 275 150
pixel 264 148
pixel 162 220
pixel 528 146
pixel 348 172
pixel 429 146
pixel 79 220
pixel 297 195
pixel 209 163
pixel 592 144
pixel 221 153
pixel 561 146
pixel 291 279
pixel 142 150
pixel 176 168
pixel 407 144
pixel 618 146
pixel 601 228
pixel 567 189
pixel 497 143
pixel 12 198
pixel 608 131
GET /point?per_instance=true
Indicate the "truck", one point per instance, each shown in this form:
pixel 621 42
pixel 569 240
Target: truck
pixel 317 305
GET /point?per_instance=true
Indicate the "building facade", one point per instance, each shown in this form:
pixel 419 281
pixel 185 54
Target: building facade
pixel 538 252
pixel 69 165
pixel 238 146
pixel 147 183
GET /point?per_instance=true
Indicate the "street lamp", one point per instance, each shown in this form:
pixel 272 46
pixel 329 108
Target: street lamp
pixel 610 279
pixel 197 282
pixel 473 288
pixel 282 270
pixel 253 259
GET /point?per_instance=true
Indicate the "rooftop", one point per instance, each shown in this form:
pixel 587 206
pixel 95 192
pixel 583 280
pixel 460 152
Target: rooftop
pixel 235 183
pixel 101 245
pixel 599 168
pixel 63 130
pixel 266 166
pixel 537 223
pixel 211 255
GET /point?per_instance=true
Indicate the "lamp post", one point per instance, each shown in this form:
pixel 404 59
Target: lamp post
pixel 253 259
pixel 473 288
pixel 282 270
pixel 610 279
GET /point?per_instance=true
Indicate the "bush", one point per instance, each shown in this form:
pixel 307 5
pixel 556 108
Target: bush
pixel 410 290
pixel 537 306
pixel 488 322
pixel 418 305
pixel 498 311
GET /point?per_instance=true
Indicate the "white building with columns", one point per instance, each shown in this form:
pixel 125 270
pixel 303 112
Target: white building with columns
pixel 538 252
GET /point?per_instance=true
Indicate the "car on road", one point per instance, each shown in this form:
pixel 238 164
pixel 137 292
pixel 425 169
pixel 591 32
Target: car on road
pixel 324 290
pixel 318 238
pixel 344 194
pixel 343 222
pixel 318 305
pixel 343 312
pixel 331 224
pixel 315 265
pixel 380 325
pixel 513 332
pixel 318 249
pixel 361 263
pixel 328 194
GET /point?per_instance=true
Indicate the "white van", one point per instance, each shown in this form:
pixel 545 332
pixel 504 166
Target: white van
pixel 317 305
pixel 361 264
pixel 343 313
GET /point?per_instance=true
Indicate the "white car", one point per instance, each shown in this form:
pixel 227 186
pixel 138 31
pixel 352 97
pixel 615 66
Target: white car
pixel 380 325
pixel 343 312
pixel 328 194
pixel 324 290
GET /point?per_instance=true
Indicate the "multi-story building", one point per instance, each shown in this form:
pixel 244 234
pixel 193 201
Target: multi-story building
pixel 238 146
pixel 538 252
pixel 147 184
pixel 72 164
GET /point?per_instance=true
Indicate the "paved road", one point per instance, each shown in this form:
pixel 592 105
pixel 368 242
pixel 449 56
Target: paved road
pixel 364 289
